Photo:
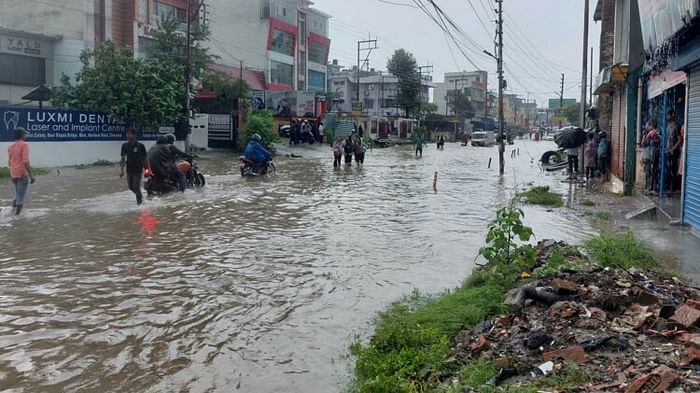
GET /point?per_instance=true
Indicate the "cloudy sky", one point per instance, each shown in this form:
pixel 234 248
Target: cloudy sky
pixel 542 39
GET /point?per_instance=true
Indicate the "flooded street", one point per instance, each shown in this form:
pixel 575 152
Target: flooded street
pixel 255 285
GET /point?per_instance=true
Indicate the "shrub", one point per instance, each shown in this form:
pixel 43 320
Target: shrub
pixel 621 251
pixel 261 122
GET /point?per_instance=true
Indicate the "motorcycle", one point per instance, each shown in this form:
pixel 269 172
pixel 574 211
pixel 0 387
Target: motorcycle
pixel 249 168
pixel 156 186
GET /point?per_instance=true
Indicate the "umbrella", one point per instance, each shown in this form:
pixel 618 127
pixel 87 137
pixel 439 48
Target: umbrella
pixel 570 137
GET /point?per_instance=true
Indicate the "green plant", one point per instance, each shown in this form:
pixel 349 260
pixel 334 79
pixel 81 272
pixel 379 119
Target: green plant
pixel 569 377
pixel 262 122
pixel 621 251
pixel 587 202
pixel 505 241
pixel 542 195
pixel 5 172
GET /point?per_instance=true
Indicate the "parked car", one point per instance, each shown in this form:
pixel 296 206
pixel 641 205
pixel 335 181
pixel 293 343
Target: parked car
pixel 483 138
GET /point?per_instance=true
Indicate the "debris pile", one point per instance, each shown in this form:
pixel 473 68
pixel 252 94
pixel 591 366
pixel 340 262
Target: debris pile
pixel 629 330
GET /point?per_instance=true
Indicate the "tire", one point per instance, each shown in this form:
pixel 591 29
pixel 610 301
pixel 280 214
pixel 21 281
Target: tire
pixel 550 158
pixel 199 180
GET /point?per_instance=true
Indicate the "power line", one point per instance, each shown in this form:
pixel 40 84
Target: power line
pixel 395 3
pixel 488 33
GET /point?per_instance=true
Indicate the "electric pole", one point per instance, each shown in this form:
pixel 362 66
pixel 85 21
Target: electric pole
pixel 584 77
pixel 363 46
pixel 501 120
pixel 429 70
pixel 191 17
pixel 590 83
pixel 561 100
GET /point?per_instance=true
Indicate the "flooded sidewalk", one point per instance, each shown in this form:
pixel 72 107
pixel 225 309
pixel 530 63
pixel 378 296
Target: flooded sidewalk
pixel 257 284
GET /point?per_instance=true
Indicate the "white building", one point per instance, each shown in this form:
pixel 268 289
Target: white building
pixel 378 91
pixel 473 83
pixel 286 40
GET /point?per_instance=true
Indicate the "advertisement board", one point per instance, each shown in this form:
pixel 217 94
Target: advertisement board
pixel 290 103
pixel 53 125
pixel 555 103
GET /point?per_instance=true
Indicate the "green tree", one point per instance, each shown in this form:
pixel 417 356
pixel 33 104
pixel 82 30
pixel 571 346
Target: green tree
pixel 261 123
pixel 227 87
pixel 146 93
pixel 460 104
pixel 427 109
pixel 403 65
pixel 572 112
pixel 170 46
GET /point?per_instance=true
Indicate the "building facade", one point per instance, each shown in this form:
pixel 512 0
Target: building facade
pixel 473 84
pixel 378 91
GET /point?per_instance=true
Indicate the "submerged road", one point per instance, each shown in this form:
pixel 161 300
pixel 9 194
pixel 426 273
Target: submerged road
pixel 251 285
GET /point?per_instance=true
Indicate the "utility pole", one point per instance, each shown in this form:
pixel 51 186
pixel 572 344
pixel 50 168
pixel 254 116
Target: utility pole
pixel 584 77
pixel 561 100
pixel 363 46
pixel 590 83
pixel 429 69
pixel 501 120
pixel 190 16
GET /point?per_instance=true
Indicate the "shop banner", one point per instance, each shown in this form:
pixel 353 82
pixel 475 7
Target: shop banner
pixel 291 103
pixel 52 125
pixel 665 81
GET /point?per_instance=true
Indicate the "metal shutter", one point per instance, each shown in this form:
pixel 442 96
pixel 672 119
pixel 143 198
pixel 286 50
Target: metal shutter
pixel 691 201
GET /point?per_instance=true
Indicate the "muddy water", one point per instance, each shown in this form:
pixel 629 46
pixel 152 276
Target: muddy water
pixel 255 285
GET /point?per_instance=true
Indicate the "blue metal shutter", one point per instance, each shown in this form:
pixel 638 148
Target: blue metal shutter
pixel 691 202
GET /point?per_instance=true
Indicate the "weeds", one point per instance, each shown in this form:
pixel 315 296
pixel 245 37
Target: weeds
pixel 542 195
pixel 5 172
pixel 588 203
pixel 621 251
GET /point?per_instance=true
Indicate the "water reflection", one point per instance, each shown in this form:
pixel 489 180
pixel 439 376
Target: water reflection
pixel 256 284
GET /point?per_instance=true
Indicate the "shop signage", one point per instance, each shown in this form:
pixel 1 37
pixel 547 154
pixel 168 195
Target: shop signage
pixel 24 46
pixel 51 125
pixel 665 81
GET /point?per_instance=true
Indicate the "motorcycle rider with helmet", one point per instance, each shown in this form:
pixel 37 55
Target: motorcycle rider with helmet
pixel 163 164
pixel 177 153
pixel 256 153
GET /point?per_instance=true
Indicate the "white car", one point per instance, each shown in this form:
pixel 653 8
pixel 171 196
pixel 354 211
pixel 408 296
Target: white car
pixel 483 138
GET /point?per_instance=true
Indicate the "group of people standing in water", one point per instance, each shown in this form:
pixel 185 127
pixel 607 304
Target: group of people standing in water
pixel 353 145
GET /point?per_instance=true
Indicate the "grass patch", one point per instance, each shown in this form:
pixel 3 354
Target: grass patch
pixel 5 172
pixel 621 251
pixel 588 203
pixel 542 195
pixel 570 377
pixel 411 340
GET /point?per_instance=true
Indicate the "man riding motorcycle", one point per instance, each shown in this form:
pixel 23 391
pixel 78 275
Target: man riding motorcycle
pixel 256 153
pixel 163 164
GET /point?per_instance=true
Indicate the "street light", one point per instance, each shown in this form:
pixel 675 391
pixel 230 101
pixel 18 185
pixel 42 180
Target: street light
pixel 490 54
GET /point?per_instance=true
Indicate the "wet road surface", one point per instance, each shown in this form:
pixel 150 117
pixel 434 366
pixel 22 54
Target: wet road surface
pixel 252 285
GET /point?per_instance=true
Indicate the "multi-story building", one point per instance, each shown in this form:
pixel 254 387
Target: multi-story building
pixel 378 91
pixel 473 83
pixel 282 44
pixel 286 40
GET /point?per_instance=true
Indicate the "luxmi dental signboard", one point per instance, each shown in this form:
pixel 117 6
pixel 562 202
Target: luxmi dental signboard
pixel 51 125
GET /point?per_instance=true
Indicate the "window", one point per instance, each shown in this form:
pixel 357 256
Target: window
pixel 317 53
pixel 281 74
pixel 167 11
pixel 388 103
pixel 369 103
pixel 281 11
pixel 317 81
pixel 22 70
pixel 282 42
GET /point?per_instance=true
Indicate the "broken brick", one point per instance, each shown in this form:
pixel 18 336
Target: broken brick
pixel 481 344
pixel 573 354
pixel 686 315
pixel 659 380
pixel 562 286
pixel 693 354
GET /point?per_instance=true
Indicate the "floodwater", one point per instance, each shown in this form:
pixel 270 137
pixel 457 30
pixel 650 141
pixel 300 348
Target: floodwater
pixel 251 285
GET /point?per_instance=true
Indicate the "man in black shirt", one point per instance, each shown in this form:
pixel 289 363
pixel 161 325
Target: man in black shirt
pixel 135 159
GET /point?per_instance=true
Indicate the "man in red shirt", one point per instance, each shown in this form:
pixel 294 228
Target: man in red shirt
pixel 20 173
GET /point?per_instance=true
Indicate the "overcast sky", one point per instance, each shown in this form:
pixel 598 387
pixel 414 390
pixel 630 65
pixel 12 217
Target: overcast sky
pixel 552 27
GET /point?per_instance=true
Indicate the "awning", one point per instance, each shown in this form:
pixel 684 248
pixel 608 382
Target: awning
pixel 41 93
pixel 254 79
pixel 665 81
pixel 609 77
